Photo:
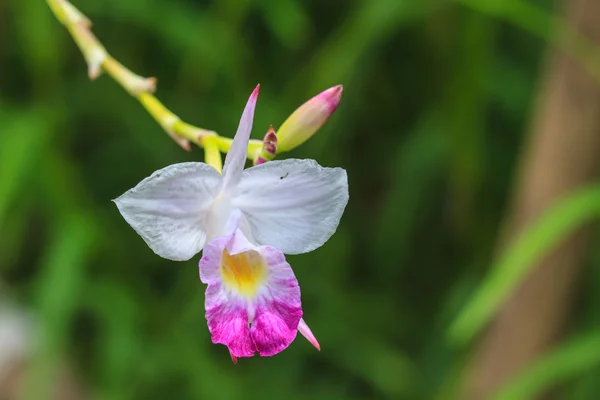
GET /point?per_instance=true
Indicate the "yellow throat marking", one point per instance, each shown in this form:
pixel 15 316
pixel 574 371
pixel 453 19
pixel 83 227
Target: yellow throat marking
pixel 243 272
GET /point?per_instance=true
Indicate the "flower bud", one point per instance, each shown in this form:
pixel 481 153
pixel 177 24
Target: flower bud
pixel 269 148
pixel 270 142
pixel 308 118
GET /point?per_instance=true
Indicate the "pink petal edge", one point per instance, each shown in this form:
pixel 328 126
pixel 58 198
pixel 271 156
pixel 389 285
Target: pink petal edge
pixel 266 323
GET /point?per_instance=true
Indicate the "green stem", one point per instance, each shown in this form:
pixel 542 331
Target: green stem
pixel 139 87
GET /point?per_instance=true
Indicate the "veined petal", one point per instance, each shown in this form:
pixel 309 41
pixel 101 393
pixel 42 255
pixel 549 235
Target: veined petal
pixel 252 300
pixel 293 205
pixel 236 156
pixel 167 209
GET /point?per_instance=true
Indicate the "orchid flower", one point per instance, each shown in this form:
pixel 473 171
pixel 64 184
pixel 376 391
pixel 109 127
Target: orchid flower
pixel 245 220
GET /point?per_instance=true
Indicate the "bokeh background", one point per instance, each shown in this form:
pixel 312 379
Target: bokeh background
pixel 441 99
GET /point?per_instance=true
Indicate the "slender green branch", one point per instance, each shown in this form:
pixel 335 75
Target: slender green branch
pixel 98 60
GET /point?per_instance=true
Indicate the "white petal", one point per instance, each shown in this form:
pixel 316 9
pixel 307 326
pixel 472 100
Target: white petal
pixel 236 156
pixel 293 205
pixel 168 208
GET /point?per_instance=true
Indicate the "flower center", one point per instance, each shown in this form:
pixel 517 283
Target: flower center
pixel 244 272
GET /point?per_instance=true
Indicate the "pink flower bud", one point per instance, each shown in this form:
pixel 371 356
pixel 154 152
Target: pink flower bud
pixel 308 118
pixel 270 142
pixel 269 148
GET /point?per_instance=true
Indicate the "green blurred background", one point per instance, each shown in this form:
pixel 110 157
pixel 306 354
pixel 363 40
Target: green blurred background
pixel 437 101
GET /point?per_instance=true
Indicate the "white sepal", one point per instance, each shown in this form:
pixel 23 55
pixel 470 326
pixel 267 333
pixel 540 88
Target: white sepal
pixel 293 205
pixel 237 154
pixel 168 208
